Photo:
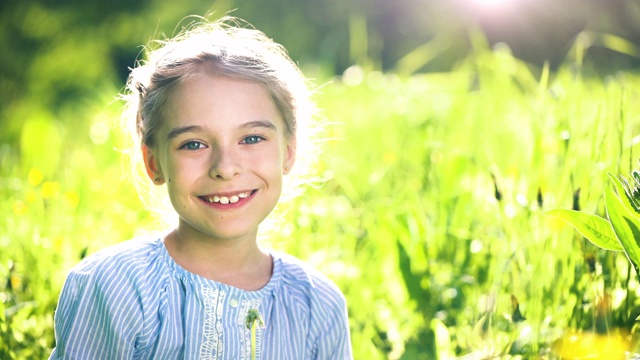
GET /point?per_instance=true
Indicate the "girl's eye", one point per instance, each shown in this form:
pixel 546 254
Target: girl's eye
pixel 253 139
pixel 193 145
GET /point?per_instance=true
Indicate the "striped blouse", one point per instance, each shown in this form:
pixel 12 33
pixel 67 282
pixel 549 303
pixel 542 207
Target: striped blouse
pixel 132 301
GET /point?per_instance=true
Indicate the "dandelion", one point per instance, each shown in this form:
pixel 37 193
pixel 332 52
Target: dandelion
pixel 50 189
pixel 254 320
pixel 58 242
pixel 72 199
pixel 34 178
pixel 30 196
pixel 15 282
pixel 19 207
pixel 389 157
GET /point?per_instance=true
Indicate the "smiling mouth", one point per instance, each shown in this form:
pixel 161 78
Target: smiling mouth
pixel 226 199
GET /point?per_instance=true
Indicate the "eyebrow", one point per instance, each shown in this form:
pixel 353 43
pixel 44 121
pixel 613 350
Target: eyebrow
pixel 259 124
pixel 177 131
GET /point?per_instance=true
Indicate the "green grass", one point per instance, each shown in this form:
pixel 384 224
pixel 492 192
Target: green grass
pixel 407 223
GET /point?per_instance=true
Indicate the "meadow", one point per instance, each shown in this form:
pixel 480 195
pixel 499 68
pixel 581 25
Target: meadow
pixel 429 216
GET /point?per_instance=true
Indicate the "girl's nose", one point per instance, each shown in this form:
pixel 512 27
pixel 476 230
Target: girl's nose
pixel 224 166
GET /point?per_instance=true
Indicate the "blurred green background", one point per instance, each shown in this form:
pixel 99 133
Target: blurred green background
pixel 453 126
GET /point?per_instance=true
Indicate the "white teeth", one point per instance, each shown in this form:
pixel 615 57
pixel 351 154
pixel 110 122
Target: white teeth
pixel 227 199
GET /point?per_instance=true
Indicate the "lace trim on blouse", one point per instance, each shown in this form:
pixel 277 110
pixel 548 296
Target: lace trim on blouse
pixel 212 348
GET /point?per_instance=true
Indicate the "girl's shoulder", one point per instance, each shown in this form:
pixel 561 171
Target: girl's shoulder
pixel 303 281
pixel 138 253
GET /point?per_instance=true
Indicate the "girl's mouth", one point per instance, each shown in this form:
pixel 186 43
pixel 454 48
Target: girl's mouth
pixel 227 199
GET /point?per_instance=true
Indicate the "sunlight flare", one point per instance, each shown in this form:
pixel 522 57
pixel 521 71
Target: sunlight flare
pixel 492 3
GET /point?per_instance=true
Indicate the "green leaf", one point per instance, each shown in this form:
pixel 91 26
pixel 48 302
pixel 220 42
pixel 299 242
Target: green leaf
pixel 596 229
pixel 623 187
pixel 627 200
pixel 625 225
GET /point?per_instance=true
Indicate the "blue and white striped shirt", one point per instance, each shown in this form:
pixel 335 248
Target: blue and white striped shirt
pixel 132 301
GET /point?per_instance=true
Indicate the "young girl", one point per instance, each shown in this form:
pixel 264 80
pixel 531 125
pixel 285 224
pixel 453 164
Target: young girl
pixel 216 113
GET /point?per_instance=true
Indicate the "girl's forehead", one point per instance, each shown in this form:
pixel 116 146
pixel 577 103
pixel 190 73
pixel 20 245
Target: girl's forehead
pixel 202 87
pixel 221 101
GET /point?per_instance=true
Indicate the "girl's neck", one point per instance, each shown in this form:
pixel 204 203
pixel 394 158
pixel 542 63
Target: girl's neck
pixel 239 263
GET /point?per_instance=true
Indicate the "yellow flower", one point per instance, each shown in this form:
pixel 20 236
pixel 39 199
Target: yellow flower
pixel 50 189
pixel 57 244
pixel 35 177
pixel 588 345
pixel 19 207
pixel 72 198
pixel 15 281
pixel 389 157
pixel 30 196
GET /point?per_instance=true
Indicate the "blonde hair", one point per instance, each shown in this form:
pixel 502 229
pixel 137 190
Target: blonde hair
pixel 228 47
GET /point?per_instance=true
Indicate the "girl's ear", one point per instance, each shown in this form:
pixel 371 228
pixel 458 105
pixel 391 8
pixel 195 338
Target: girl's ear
pixel 152 166
pixel 289 156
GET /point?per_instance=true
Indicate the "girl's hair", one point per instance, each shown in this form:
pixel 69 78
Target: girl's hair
pixel 228 47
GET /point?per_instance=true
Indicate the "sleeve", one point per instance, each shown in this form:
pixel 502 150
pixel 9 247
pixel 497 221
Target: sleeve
pixel 334 341
pixel 99 316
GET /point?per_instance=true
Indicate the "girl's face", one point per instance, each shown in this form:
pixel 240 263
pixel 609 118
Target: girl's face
pixel 222 151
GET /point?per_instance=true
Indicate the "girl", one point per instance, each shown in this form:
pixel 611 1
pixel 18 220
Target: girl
pixel 217 110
